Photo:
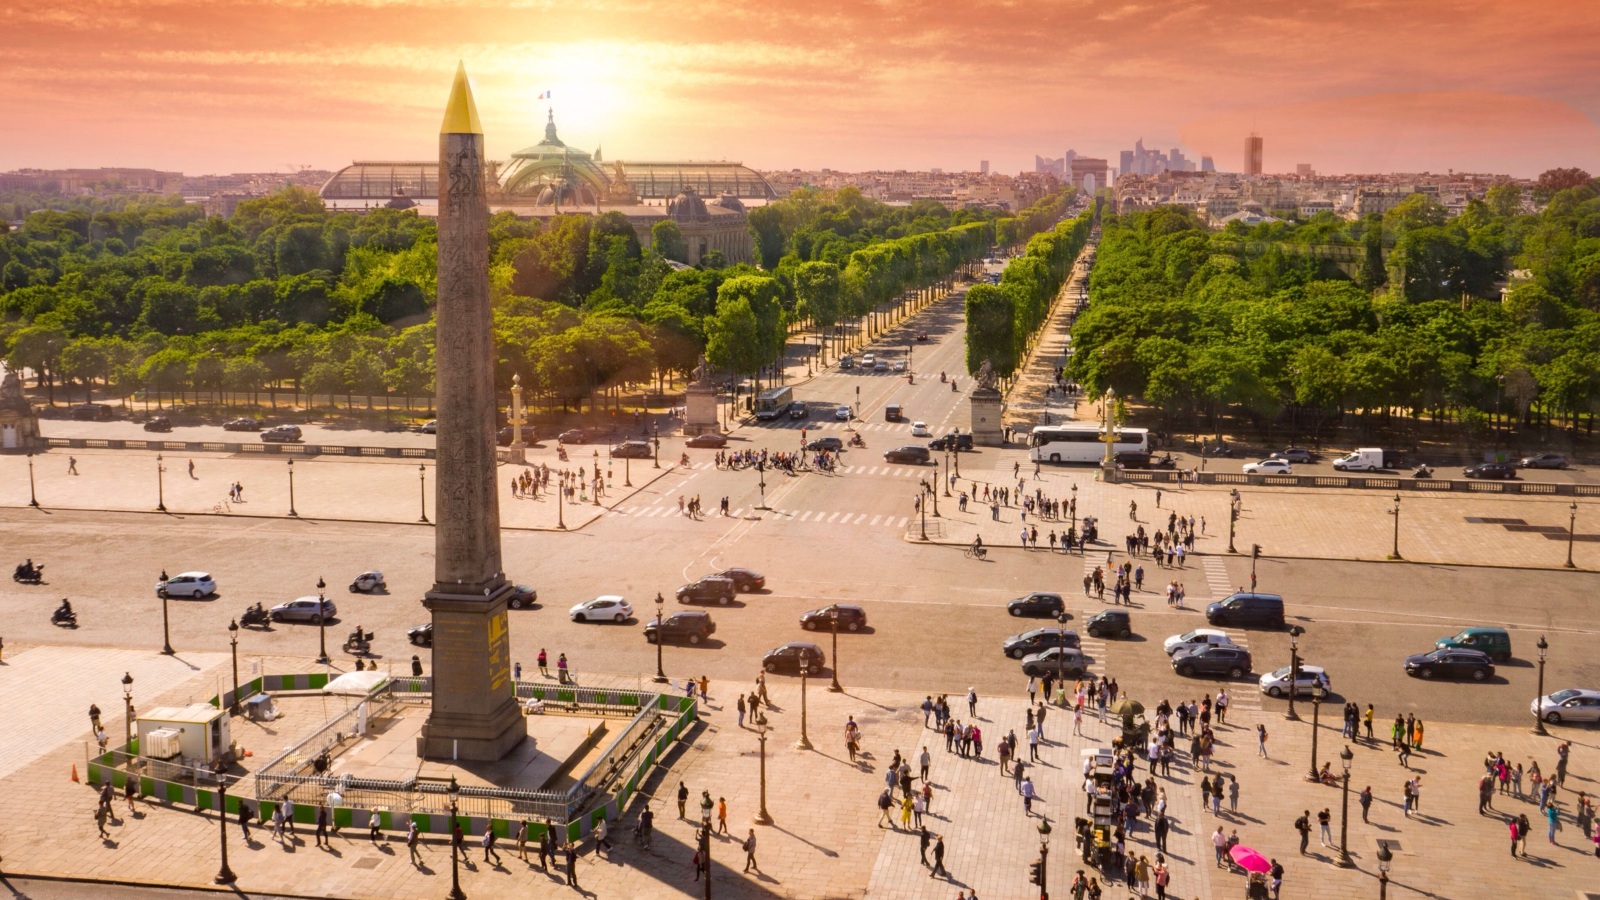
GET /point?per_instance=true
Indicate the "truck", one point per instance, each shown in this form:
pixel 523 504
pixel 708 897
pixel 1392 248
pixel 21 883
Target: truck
pixel 1364 459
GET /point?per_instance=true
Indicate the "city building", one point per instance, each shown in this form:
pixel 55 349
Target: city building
pixel 983 167
pixel 1303 170
pixel 1253 155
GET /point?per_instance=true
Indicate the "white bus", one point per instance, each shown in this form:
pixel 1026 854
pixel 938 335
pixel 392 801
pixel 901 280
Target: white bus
pixel 1082 442
pixel 774 403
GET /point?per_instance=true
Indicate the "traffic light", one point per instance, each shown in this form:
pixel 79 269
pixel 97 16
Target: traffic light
pixel 1255 551
pixel 1036 873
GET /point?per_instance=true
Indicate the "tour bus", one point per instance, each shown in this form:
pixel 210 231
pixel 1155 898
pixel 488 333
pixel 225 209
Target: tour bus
pixel 1082 443
pixel 774 403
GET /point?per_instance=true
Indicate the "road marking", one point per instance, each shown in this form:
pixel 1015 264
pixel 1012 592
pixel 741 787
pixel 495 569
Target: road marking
pixel 832 517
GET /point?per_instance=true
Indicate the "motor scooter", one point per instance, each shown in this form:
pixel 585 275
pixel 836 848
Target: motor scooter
pixel 1422 471
pixel 22 575
pixel 254 615
pixel 64 618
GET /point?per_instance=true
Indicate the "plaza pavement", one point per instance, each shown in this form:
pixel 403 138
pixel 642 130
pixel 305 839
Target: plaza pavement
pixel 824 842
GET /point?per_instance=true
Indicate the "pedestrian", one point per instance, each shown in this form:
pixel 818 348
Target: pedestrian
pixel 1523 828
pixel 1367 718
pixel 72 465
pixel 1028 794
pixel 130 791
pixel 923 841
pixel 374 826
pixel 602 837
pixel 1261 741
pixel 925 760
pixel 1553 816
pixel 1219 842
pixel 884 803
pixel 683 798
pixel 1162 826
pixel 1515 826
pixel 1233 793
pixel 322 826
pixel 412 838
pixel 1302 825
pixel 938 858
pixel 918 807
pixel 547 846
pixel 572 864
pixel 705 688
pixel 94 717
pixel 544 663
pixel 488 843
pixel 523 828
pixel 288 816
pixel 972 702
pixel 1365 799
pixel 1323 819
pixel 740 707
pixel 1275 874
pixel 245 815
pixel 750 852
pixel 927 710
pixel 722 815
pixel 100 820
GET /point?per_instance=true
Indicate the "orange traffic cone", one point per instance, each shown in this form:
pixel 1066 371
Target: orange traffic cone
pixel 75 774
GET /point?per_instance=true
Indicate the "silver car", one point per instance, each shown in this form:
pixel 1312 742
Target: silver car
pixel 1311 680
pixel 187 584
pixel 313 610
pixel 1570 705
pixel 1194 640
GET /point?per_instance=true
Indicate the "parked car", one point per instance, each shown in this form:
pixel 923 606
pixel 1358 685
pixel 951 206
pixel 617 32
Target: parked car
pixel 92 412
pixel 187 584
pixel 1544 461
pixel 1496 642
pixel 312 610
pixel 159 423
pixel 1450 662
pixel 605 608
pixel 911 453
pixel 920 429
pixel 1233 662
pixel 421 635
pixel 633 450
pixel 1310 680
pixel 367 582
pixel 1192 640
pixel 1295 455
pixel 1070 663
pixel 1037 641
pixel 690 626
pixel 850 616
pixel 1038 603
pixel 1269 467
pixel 1242 609
pixel 710 589
pixel 584 436
pixel 799 410
pixel 1490 470
pixel 281 434
pixel 745 580
pixel 842 413
pixel 825 443
pixel 243 423
pixel 522 596
pixel 1570 705
pixel 708 441
pixel 794 656
pixel 1110 623
pixel 955 440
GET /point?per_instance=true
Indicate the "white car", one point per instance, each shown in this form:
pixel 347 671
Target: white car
pixel 187 584
pixel 867 359
pixel 899 365
pixel 1570 705
pixel 1194 640
pixel 606 608
pixel 1276 684
pixel 920 429
pixel 842 414
pixel 1269 467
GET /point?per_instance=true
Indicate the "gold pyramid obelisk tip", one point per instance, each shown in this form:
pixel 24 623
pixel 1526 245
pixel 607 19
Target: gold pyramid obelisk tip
pixel 460 112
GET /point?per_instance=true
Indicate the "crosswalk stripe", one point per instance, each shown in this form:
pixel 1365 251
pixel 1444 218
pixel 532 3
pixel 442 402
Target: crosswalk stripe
pixel 832 518
pixel 859 519
pixel 903 521
pixel 877 518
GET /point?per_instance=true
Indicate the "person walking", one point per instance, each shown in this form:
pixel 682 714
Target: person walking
pixel 1515 826
pixel 1028 794
pixel 1219 842
pixel 683 798
pixel 523 828
pixel 602 837
pixel 1302 825
pixel 722 815
pixel 413 836
pixel 1365 799
pixel 72 465
pixel 972 702
pixel 100 815
pixel 1323 819
pixel 1553 816
pixel 1261 741
pixel 926 759
pixel 547 846
pixel 245 815
pixel 572 864
pixel 750 852
pixel 938 858
pixel 1233 793
pixel 374 826
pixel 488 843
pixel 1162 826
pixel 924 840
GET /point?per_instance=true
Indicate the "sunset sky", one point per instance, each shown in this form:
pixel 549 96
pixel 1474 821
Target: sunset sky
pixel 1345 85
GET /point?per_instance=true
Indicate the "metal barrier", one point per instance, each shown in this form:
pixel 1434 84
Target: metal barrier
pixel 305 450
pixel 1353 482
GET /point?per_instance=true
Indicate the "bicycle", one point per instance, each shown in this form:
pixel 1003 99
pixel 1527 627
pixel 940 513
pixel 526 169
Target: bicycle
pixel 975 553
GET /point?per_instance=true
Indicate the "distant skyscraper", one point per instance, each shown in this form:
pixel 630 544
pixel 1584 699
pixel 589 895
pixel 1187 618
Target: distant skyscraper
pixel 1303 170
pixel 1125 163
pixel 1253 155
pixel 983 167
pixel 1207 165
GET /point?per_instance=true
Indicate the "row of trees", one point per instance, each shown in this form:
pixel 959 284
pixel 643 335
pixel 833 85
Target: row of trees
pixel 1199 324
pixel 1003 320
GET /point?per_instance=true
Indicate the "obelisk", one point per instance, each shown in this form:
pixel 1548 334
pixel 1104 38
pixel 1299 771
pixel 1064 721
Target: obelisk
pixel 475 715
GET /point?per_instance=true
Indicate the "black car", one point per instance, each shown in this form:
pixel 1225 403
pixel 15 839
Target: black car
pixel 92 412
pixel 1068 663
pixel 633 450
pixel 1233 662
pixel 745 580
pixel 794 656
pixel 245 423
pixel 422 635
pixel 1038 603
pixel 798 410
pixel 159 423
pixel 522 596
pixel 1037 641
pixel 954 441
pixel 911 453
pixel 1295 455
pixel 1451 662
pixel 583 436
pixel 1132 459
pixel 1490 470
pixel 825 443
pixel 1246 608
pixel 1110 623
pixel 851 618
pixel 282 434
pixel 691 626
pixel 710 589
pixel 710 440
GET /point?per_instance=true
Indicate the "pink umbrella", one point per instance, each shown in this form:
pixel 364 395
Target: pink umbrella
pixel 1249 860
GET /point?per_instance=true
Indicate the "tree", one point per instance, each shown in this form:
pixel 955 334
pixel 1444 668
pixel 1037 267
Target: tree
pixel 766 226
pixel 1554 181
pixel 820 290
pixel 667 239
pixel 733 342
pixel 991 330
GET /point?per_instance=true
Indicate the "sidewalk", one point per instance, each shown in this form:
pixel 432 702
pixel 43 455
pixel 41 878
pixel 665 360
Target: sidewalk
pixel 825 841
pixel 1027 404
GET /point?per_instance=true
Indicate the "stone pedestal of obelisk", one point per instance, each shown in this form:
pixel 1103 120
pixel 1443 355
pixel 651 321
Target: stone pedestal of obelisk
pixel 475 715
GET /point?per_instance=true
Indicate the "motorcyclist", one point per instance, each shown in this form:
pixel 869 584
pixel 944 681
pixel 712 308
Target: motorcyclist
pixel 941 376
pixel 64 611
pixel 358 636
pixel 953 384
pixel 255 611
pixel 26 570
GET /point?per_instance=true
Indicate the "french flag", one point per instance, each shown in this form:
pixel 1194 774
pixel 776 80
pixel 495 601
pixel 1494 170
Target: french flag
pixel 547 95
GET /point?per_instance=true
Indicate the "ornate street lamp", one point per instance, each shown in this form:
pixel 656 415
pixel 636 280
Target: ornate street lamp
pixel 322 623
pixel 705 838
pixel 127 711
pixel 33 498
pixel 422 492
pixel 1572 521
pixel 291 490
pixel 224 875
pixel 1395 511
pixel 161 488
pixel 761 472
pixel 1316 709
pixel 762 817
pixel 1044 858
pixel 1294 669
pixel 454 790
pixel 1344 809
pixel 1538 711
pixel 1384 858
pixel 805 740
pixel 658 446
pixel 833 618
pixel 233 642
pixel 661 674
pixel 1074 506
